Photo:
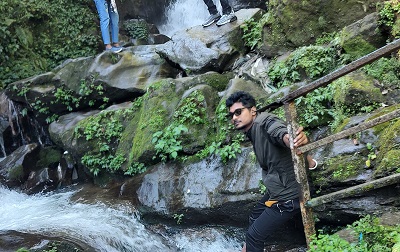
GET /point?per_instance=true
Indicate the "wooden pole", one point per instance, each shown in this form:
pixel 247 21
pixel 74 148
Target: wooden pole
pixel 354 190
pixel 324 81
pixel 301 173
pixel 351 131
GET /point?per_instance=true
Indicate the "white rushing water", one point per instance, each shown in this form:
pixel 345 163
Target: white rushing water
pixel 102 227
pixel 183 14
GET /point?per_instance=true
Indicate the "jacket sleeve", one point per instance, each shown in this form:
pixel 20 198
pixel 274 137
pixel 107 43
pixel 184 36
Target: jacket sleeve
pixel 275 128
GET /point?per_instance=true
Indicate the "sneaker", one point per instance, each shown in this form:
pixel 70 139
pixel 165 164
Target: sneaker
pixel 211 19
pixel 226 18
pixel 114 49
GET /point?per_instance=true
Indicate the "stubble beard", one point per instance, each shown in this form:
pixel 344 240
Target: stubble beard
pixel 240 127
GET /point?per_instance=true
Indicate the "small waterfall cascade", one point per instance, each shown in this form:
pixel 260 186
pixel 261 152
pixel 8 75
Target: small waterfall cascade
pixel 17 128
pixel 106 228
pixel 183 14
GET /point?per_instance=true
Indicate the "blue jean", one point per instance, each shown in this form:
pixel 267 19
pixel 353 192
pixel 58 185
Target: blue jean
pixel 266 220
pixel 109 20
pixel 212 9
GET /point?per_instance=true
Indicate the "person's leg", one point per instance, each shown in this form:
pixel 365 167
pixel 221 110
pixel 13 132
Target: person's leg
pixel 212 9
pixel 114 25
pixel 267 222
pixel 102 9
pixel 226 8
pixel 257 210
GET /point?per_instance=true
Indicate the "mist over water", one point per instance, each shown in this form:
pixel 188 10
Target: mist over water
pixel 183 14
pixel 106 228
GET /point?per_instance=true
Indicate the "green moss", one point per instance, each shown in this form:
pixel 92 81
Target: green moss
pixel 216 80
pixel 387 140
pixel 273 34
pixel 379 128
pixel 396 29
pixel 356 91
pixel 236 41
pixel 16 173
pixel 48 156
pixel 341 126
pixel 159 104
pixel 338 169
pixel 389 164
pixel 356 47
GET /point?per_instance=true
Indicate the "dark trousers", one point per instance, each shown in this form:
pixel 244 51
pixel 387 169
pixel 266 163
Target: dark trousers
pixel 226 8
pixel 266 220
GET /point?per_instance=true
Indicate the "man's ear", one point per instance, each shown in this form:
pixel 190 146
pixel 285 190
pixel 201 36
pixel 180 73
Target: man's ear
pixel 253 111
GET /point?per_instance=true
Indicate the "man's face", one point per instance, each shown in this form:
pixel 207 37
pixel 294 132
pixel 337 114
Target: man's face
pixel 241 117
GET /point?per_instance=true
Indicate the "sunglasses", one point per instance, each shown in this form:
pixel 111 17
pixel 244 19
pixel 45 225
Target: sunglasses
pixel 237 112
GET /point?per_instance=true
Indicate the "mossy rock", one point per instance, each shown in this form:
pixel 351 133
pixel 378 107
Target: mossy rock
pixel 356 47
pixel 155 114
pixel 16 173
pixel 294 23
pixel 213 79
pixel 362 37
pixel 389 164
pixel 342 126
pixel 338 169
pixel 356 90
pixel 48 157
pixel 383 126
pixel 389 140
pixel 200 119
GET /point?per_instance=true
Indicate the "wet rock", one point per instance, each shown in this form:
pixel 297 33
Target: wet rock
pixel 199 50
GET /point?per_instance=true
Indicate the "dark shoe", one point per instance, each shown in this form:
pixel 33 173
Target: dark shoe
pixel 226 18
pixel 211 19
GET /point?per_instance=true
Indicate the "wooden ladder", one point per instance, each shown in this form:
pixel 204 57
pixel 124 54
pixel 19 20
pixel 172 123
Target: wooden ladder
pixel 306 202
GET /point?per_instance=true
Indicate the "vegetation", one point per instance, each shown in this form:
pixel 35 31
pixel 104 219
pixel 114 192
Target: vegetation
pixel 178 218
pixel 386 71
pixel 166 141
pixel 220 146
pixel 309 62
pixel 369 233
pixel 388 11
pixel 137 29
pixel 252 31
pixel 36 36
pixel 105 128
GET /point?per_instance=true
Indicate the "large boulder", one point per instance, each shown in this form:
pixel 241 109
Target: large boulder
pixel 199 49
pixel 362 37
pixel 83 83
pixel 293 23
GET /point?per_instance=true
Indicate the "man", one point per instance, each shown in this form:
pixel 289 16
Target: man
pixel 227 13
pixel 270 140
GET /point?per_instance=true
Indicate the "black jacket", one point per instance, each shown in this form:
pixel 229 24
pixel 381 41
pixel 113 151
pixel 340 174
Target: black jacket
pixel 266 135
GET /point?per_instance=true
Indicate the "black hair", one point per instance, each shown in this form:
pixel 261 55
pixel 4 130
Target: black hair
pixel 245 98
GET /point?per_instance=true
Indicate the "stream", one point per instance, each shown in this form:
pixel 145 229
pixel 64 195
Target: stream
pixel 99 226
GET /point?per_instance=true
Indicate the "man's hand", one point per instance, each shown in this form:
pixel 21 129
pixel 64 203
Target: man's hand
pixel 301 138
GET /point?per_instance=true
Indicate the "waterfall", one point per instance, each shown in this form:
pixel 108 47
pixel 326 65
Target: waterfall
pixel 106 228
pixel 183 14
pixel 18 128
